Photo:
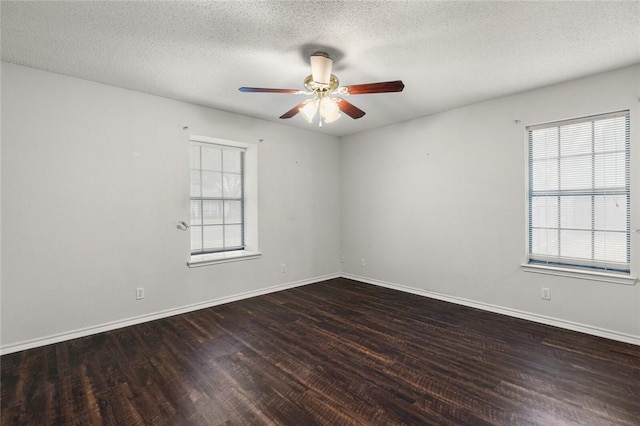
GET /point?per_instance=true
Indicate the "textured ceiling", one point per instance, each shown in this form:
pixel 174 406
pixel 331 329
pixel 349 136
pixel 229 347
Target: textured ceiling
pixel 448 54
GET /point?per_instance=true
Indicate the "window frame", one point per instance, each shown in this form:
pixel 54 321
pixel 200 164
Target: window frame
pixel 249 210
pixel 533 263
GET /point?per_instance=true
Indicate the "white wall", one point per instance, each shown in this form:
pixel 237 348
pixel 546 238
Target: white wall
pixel 94 182
pixel 437 205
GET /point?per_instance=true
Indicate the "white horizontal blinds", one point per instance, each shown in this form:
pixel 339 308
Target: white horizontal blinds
pixel 579 210
pixel 217 198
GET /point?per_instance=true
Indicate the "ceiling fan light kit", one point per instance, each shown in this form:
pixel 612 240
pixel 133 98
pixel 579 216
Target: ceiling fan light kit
pixel 321 84
pixel 328 107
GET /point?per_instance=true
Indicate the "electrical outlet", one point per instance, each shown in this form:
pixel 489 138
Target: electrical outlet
pixel 139 293
pixel 546 293
pixel 283 268
pixel 341 259
pixel 362 262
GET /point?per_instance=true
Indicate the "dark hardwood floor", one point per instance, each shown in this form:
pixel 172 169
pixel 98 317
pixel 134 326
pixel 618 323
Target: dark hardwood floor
pixel 337 352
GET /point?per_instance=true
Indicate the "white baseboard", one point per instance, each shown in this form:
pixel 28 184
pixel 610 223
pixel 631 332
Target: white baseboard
pixel 569 325
pixel 87 331
pixel 556 322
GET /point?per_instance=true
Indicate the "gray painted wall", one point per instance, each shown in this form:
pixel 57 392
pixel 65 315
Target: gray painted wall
pixel 94 182
pixel 95 179
pixel 437 205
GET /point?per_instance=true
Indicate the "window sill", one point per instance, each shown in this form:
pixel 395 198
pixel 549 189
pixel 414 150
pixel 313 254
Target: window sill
pixel 215 258
pixel 574 273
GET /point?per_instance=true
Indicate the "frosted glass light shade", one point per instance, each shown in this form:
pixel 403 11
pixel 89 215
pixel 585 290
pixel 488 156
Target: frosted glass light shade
pixel 309 109
pixel 329 110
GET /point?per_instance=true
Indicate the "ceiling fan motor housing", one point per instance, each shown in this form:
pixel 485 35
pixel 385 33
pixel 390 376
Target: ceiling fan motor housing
pixel 321 88
pixel 321 64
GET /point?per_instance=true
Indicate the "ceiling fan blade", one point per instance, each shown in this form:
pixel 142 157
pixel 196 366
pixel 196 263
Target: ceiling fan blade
pixel 293 111
pixel 368 88
pixel 265 90
pixel 350 109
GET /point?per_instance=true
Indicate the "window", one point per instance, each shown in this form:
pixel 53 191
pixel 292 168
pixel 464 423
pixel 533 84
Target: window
pixel 217 200
pixel 579 193
pixel 223 199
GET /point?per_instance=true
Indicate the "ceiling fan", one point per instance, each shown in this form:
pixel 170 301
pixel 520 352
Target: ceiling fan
pixel 327 93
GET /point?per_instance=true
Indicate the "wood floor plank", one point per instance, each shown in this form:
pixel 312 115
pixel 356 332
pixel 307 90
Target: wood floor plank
pixel 338 352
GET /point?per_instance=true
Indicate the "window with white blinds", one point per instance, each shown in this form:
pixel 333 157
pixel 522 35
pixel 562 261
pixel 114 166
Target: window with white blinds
pixel 579 193
pixel 217 198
